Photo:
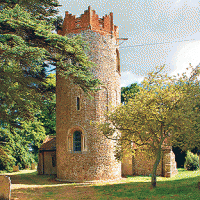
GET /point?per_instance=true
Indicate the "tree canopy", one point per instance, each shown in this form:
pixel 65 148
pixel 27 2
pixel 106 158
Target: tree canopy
pixel 128 92
pixel 47 113
pixel 164 112
pixel 19 145
pixel 27 49
pixel 41 9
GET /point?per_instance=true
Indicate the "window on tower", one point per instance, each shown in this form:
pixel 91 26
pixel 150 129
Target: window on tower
pixel 78 103
pixel 118 60
pixel 77 141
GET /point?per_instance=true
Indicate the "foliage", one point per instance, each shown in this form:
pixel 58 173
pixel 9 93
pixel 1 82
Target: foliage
pixel 27 48
pixel 6 160
pixel 128 92
pixel 47 115
pixel 41 9
pixel 19 146
pixel 162 113
pixel 192 161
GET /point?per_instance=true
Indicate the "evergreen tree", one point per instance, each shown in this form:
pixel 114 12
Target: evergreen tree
pixel 47 114
pixel 19 146
pixel 27 48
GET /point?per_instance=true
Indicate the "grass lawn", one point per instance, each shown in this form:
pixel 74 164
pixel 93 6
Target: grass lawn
pixel 27 184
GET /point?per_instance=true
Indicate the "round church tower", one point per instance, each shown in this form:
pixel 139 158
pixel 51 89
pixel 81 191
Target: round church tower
pixel 83 154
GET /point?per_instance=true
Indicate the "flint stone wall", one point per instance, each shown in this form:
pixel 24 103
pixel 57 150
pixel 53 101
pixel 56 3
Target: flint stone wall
pixel 5 187
pixel 96 161
pixel 140 164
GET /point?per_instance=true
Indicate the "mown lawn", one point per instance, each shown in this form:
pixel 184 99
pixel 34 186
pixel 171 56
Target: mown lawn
pixel 28 185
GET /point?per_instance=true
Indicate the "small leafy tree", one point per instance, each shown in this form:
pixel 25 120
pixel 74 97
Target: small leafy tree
pixel 191 161
pixel 128 92
pixel 162 113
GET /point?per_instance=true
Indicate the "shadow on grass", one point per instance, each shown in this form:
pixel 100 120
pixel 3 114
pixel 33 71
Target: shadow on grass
pixel 32 178
pixel 186 188
pixel 44 187
pixel 68 192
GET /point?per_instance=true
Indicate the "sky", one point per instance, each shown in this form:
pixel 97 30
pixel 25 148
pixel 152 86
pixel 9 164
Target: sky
pixel 159 32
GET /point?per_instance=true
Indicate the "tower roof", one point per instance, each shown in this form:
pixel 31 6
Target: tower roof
pixel 89 21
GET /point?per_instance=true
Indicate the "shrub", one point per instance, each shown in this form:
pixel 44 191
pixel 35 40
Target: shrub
pixel 6 160
pixel 191 161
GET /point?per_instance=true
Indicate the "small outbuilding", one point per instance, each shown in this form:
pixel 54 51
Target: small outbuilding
pixel 47 156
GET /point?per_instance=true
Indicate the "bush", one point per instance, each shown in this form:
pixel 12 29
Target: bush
pixel 6 160
pixel 191 161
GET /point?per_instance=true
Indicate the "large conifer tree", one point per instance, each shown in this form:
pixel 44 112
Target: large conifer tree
pixel 28 47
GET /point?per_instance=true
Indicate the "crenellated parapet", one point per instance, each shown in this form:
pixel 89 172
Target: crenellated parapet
pixel 89 21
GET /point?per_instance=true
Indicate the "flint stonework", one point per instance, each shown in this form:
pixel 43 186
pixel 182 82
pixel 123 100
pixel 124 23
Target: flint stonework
pixel 5 187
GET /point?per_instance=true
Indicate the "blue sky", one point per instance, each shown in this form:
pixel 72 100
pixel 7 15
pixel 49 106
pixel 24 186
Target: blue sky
pixel 149 22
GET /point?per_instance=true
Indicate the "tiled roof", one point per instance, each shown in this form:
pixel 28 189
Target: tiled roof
pixel 49 143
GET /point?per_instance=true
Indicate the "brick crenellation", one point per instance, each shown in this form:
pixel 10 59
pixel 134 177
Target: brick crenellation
pixel 89 21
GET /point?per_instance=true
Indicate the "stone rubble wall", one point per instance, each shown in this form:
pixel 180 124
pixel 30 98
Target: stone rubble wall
pixel 97 160
pixel 142 165
pixel 5 187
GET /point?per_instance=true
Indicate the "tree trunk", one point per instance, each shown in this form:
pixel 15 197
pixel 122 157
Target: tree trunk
pixel 153 176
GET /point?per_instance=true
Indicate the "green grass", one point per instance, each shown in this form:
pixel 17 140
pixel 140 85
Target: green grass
pixel 182 186
pixel 28 185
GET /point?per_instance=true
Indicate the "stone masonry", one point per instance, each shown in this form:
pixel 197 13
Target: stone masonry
pixel 96 160
pixel 5 187
pixel 77 113
pixel 140 164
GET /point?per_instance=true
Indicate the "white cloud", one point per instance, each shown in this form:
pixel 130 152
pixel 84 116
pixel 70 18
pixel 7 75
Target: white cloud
pixel 128 77
pixel 187 53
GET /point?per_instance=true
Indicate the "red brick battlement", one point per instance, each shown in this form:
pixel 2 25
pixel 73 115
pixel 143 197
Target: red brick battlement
pixel 89 21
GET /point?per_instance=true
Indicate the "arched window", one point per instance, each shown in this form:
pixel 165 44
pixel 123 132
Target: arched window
pixel 77 141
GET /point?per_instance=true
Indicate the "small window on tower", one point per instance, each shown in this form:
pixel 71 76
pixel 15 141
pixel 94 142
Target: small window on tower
pixel 118 60
pixel 78 103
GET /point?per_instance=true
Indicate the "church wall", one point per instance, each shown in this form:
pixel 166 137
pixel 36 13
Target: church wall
pixel 40 163
pixel 141 164
pixel 45 165
pixel 48 167
pixel 96 161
